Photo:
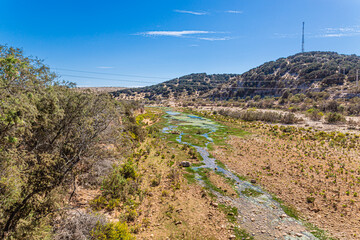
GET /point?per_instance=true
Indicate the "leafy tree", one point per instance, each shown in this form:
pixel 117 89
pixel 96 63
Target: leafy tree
pixel 46 130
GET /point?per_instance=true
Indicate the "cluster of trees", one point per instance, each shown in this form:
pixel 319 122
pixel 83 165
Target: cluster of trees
pixel 47 131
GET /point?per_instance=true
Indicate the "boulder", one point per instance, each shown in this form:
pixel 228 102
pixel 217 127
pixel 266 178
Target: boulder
pixel 185 164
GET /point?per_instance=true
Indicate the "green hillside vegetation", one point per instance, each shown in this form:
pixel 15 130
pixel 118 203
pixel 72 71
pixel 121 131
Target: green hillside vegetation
pixel 301 73
pixel 183 87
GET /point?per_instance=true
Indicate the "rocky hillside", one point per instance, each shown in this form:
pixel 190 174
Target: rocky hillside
pixel 312 71
pixel 194 85
pixel 328 72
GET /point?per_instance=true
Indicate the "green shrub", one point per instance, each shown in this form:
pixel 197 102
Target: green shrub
pixel 156 181
pixel 112 231
pixel 114 185
pixel 310 199
pixel 120 185
pixel 98 203
pixel 257 98
pixel 314 114
pixel 130 214
pixel 127 170
pixel 334 117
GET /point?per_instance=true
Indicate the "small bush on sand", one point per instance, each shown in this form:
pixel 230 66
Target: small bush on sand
pixel 334 118
pixel 314 114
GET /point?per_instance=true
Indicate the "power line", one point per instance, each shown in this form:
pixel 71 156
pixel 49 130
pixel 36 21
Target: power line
pixel 114 74
pixel 108 79
pixel 195 83
pixel 267 88
pixel 262 88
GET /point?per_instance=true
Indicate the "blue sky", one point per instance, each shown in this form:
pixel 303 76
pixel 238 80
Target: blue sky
pixel 139 42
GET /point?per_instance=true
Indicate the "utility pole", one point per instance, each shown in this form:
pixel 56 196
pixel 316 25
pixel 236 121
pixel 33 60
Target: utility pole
pixel 357 79
pixel 303 38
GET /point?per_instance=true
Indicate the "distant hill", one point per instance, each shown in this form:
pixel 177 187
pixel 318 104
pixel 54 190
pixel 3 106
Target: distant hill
pixel 194 85
pixel 300 73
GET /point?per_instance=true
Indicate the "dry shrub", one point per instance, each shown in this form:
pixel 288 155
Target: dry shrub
pixel 335 118
pixel 77 225
pixel 97 172
pixel 352 124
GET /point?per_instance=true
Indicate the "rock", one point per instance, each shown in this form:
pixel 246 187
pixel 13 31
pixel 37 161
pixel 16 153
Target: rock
pixel 252 219
pixel 253 181
pixel 283 216
pixel 214 204
pixel 178 222
pixel 232 236
pixel 298 235
pixel 185 164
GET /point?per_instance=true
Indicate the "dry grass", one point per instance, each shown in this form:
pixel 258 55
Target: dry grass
pixel 320 181
pixel 175 208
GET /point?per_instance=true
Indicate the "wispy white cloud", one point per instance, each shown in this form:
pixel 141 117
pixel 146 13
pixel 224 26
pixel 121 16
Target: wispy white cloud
pixel 198 13
pixel 102 67
pixel 234 11
pixel 173 33
pixel 215 38
pixel 192 34
pixel 343 29
pixel 286 35
pixel 340 32
pixel 331 35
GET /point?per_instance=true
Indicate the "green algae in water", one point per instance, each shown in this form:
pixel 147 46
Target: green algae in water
pixel 195 140
pixel 251 192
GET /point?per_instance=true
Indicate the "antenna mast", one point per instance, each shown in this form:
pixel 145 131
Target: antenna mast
pixel 303 38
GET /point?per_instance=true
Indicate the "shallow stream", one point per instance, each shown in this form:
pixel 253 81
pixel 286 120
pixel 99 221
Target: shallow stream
pixel 260 215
